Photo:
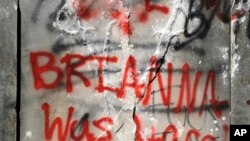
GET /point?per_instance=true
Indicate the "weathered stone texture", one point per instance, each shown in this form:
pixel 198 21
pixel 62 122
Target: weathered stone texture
pixel 8 47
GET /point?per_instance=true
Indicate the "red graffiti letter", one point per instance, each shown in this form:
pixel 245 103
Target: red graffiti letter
pixel 50 128
pixel 171 128
pixel 98 124
pixel 213 101
pixel 100 88
pixel 165 97
pixel 185 81
pixel 130 65
pixel 38 70
pixel 190 132
pixel 70 70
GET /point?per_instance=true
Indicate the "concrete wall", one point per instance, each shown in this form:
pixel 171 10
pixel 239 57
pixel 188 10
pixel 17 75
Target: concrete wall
pixel 125 70
pixel 8 39
pixel 240 68
pixel 126 95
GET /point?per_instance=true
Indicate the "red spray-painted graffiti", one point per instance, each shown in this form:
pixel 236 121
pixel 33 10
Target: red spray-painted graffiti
pixel 66 129
pixel 63 131
pixel 87 10
pixel 130 68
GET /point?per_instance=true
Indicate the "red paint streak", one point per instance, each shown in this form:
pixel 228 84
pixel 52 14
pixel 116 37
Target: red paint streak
pixel 116 14
pixel 213 101
pixel 150 7
pixel 166 98
pixel 126 27
pixel 84 10
pixel 143 16
pixel 138 136
pixel 63 133
pixel 86 14
pixel 185 81
pixel 172 129
pixel 226 131
pixel 87 10
pixel 123 22
pixel 233 16
pixel 208 138
pixel 38 70
pixel 192 132
pixel 238 14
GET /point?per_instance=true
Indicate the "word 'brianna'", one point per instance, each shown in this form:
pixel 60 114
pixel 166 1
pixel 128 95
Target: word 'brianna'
pixel 142 90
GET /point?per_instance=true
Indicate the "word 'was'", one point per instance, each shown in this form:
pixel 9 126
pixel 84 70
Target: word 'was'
pixel 79 130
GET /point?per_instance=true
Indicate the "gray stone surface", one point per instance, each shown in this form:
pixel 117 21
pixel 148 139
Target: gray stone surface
pixel 8 38
pixel 57 28
pixel 240 60
pixel 42 29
